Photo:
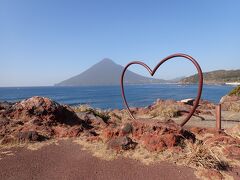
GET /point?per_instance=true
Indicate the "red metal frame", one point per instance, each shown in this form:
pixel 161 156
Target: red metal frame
pixel 152 72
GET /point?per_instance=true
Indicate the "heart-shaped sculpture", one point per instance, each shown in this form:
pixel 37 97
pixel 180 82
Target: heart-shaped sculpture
pixel 152 72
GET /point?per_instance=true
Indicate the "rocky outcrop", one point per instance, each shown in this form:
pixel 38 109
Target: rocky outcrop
pixel 158 136
pixel 38 119
pixel 154 136
pixel 121 143
pixel 41 109
pixel 230 145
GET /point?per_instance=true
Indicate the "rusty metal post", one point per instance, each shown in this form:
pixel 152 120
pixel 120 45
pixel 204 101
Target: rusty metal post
pixel 218 117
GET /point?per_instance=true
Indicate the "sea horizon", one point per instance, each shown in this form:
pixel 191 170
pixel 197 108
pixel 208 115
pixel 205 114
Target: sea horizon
pixel 109 97
pixel 184 84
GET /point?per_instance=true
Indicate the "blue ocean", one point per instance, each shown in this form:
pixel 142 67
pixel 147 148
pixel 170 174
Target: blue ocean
pixel 109 97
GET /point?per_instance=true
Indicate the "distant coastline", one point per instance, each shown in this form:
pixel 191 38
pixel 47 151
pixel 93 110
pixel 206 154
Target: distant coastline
pixel 107 73
pixel 227 77
pixel 211 83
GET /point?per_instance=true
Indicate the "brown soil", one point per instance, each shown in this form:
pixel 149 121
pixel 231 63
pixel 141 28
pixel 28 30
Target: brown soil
pixel 68 161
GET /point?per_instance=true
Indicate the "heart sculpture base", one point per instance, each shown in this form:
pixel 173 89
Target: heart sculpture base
pixel 152 72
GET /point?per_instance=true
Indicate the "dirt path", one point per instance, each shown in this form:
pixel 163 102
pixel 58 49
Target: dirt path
pixel 68 161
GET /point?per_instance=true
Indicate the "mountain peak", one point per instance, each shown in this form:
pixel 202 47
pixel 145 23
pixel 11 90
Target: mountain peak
pixel 107 60
pixel 105 72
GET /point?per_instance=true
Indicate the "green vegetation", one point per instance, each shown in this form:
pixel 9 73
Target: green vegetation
pixel 220 76
pixel 235 92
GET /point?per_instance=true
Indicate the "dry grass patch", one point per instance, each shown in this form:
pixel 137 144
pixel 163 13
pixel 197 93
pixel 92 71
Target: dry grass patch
pixel 200 156
pixel 38 145
pixel 197 156
pixel 5 150
pixel 235 107
pixel 204 174
pixel 166 111
pixel 193 155
pixel 101 150
pixel 29 145
pixel 82 108
pixel 4 153
pixel 234 131
pixel 98 149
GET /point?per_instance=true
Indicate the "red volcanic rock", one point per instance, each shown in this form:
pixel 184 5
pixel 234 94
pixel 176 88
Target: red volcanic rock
pixel 110 132
pixel 126 129
pixel 75 131
pixel 230 144
pixel 157 136
pixel 154 135
pixel 63 132
pixel 29 136
pixel 41 108
pixel 38 118
pixel 122 143
pixel 202 131
pixel 154 143
pixel 91 118
pixel 222 139
pixel 114 131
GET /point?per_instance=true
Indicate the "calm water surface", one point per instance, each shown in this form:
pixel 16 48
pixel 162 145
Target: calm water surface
pixel 110 96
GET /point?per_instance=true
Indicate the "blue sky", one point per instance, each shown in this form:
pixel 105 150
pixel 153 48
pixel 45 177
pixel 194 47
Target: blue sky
pixel 43 42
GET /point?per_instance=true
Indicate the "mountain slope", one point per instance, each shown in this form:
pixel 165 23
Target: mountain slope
pixel 106 72
pixel 213 77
